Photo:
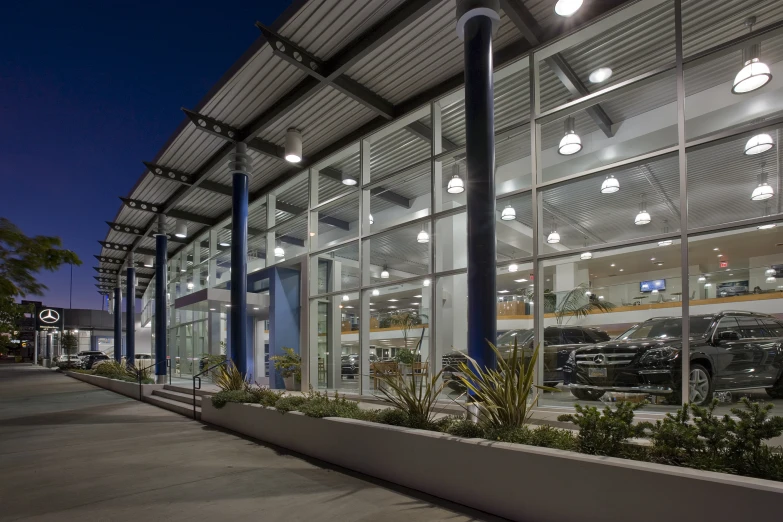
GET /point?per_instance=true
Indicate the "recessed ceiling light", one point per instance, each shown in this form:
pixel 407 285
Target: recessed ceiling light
pixel 417 295
pixel 520 280
pixel 415 304
pixel 502 291
pixel 767 226
pixel 600 75
pixel 228 306
pixel 622 269
pixel 720 255
pixel 211 309
pixel 392 307
pixel 652 259
pixel 256 308
pixel 660 264
pixel 393 300
pixel 716 249
pixel 612 264
pixel 348 306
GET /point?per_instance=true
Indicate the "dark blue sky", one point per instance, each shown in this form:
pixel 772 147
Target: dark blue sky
pixel 90 89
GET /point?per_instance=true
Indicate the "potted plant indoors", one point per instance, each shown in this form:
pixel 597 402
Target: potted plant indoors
pixel 290 367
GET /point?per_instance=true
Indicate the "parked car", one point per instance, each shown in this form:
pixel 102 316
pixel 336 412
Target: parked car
pixel 559 342
pixel 69 361
pixel 349 364
pixel 142 360
pixel 728 351
pixel 82 355
pixel 92 360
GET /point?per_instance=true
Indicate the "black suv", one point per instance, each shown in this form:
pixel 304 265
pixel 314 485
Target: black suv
pixel 92 360
pixel 559 342
pixel 728 351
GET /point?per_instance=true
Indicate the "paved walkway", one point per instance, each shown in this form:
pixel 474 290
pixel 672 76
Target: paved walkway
pixel 71 451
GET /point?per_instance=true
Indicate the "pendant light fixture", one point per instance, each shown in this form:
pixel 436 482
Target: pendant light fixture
pixel 702 279
pixel 553 236
pixel 423 236
pixel 346 298
pixel 384 273
pixel 293 146
pixel 769 272
pixel 456 185
pixel 513 267
pixel 754 73
pixel 279 252
pixel 348 179
pixel 766 226
pixel 610 185
pixel 508 214
pixel 426 282
pixel 771 279
pixel 763 190
pixel 584 256
pixel 570 143
pixel 665 242
pixel 643 217
pixel 758 144
pixel 566 8
pixel 149 261
pixel 600 75
pixel 376 292
pixel 181 229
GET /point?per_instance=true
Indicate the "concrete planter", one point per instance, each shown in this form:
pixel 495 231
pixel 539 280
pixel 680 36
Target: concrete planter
pixel 509 480
pixel 129 389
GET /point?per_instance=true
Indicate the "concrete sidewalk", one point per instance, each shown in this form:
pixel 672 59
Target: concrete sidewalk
pixel 71 451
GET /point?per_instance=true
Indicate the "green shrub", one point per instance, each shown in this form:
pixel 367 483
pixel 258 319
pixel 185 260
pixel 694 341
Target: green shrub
pixel 393 417
pixel 416 395
pixel 319 405
pixel 229 378
pixel 466 429
pixel 514 434
pixel 264 396
pixel 605 433
pixel 221 398
pixel 289 403
pixel 547 436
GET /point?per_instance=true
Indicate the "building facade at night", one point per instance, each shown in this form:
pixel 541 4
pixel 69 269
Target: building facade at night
pixel 624 161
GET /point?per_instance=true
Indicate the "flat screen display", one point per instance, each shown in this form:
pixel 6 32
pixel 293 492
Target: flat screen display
pixel 655 284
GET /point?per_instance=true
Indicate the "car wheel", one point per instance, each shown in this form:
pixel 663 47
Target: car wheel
pixel 774 393
pixel 587 395
pixel 699 385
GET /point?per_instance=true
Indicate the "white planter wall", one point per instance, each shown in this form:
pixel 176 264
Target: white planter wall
pixel 509 480
pixel 129 389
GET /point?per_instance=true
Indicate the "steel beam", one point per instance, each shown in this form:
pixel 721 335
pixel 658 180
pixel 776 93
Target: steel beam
pixel 422 131
pixel 155 208
pixel 533 33
pixel 293 209
pixel 126 248
pixel 381 192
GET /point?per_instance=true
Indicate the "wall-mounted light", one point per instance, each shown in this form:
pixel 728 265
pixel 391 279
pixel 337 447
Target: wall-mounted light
pixel 758 144
pixel 570 143
pixel 293 146
pixel 456 185
pixel 567 8
pixel 610 185
pixel 181 229
pixel 643 217
pixel 348 180
pixel 754 73
pixel 508 214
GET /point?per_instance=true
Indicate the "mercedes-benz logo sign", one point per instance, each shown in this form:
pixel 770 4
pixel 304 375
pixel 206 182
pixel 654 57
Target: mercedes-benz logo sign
pixel 49 316
pixel 599 359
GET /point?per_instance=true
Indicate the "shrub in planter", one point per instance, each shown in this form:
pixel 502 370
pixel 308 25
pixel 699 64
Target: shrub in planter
pixel 465 428
pixel 393 417
pixel 416 396
pixel 253 395
pixel 229 378
pixel 292 403
pixel 605 433
pixel 319 405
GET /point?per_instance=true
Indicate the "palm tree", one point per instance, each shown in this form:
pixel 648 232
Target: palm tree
pixel 577 304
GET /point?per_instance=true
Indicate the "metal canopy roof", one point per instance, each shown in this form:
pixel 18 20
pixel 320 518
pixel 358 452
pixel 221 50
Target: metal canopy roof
pixel 366 63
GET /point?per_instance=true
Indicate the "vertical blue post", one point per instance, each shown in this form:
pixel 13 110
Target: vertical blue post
pixel 161 285
pixel 117 323
pixel 130 314
pixel 239 166
pixel 284 297
pixel 474 26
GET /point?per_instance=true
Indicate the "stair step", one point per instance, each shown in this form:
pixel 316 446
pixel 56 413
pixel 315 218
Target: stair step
pixel 185 398
pixel 187 390
pixel 175 406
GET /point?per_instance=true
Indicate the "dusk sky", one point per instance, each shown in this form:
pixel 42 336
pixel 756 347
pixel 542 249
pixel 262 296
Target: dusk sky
pixel 88 90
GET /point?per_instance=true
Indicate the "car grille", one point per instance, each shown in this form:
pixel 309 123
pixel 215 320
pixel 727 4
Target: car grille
pixel 615 360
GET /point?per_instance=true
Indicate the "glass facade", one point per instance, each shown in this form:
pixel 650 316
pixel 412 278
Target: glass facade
pixel 624 206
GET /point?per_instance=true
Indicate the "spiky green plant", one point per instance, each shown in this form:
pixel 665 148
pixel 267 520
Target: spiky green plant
pixel 416 395
pixel 229 378
pixel 502 394
pixel 138 374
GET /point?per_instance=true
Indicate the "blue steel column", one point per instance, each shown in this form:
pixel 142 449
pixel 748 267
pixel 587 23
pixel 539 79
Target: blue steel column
pixel 161 285
pixel 475 22
pixel 117 321
pixel 130 313
pixel 239 167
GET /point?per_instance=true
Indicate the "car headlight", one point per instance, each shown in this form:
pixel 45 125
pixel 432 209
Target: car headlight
pixel 657 355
